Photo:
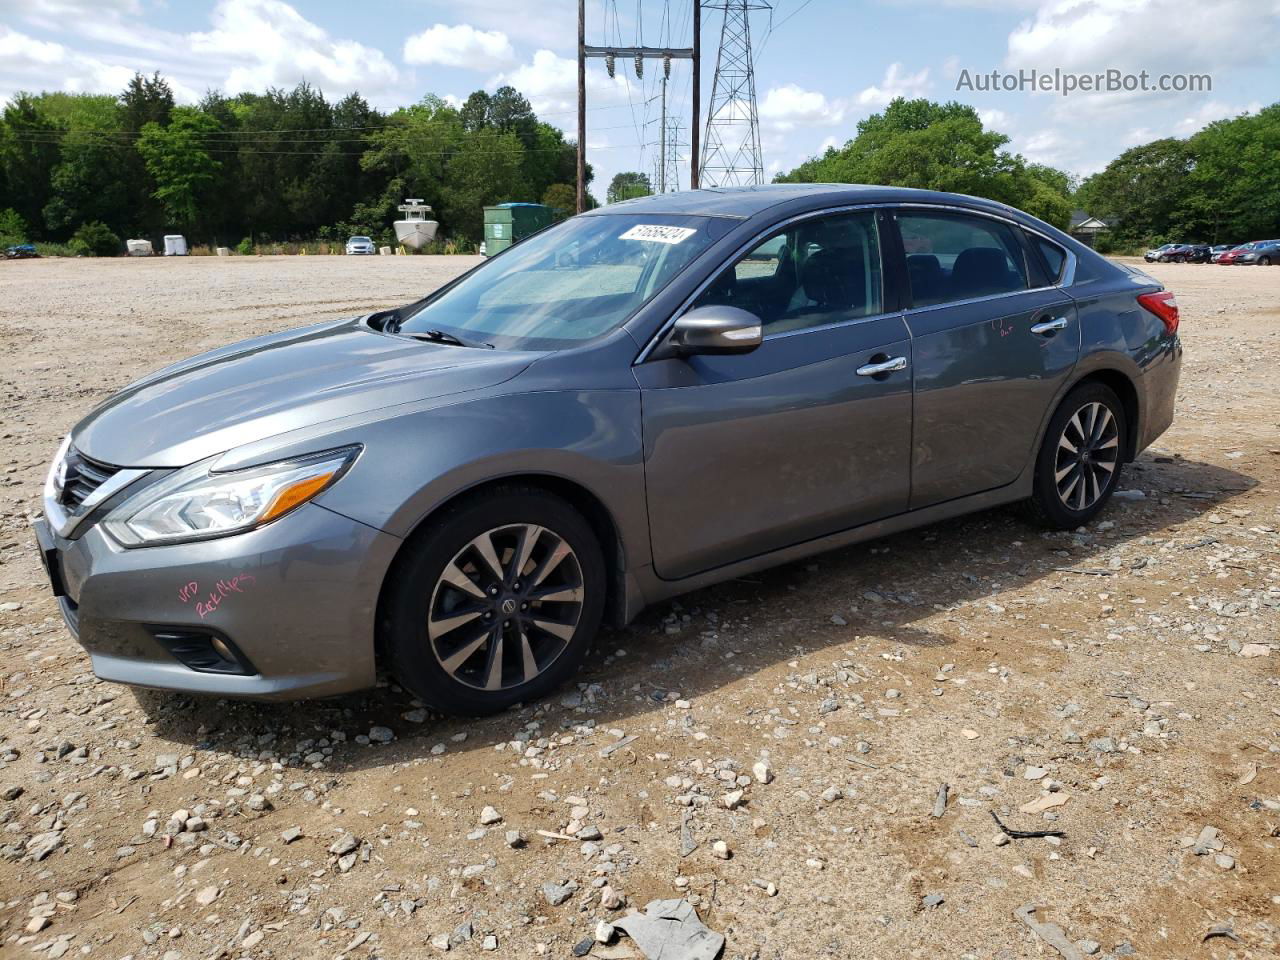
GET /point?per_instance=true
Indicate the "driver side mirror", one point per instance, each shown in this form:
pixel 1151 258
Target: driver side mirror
pixel 714 330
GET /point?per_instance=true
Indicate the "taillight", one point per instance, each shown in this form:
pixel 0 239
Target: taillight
pixel 1165 306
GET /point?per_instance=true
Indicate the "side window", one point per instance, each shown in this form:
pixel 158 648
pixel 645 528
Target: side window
pixel 953 258
pixel 817 272
pixel 1054 256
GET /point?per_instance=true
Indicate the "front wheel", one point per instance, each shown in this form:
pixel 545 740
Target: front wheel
pixel 1079 462
pixel 496 604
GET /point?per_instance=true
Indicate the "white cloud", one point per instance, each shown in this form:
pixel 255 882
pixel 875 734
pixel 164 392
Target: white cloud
pixel 30 64
pixel 896 83
pixel 550 83
pixel 996 120
pixel 1207 113
pixel 1175 36
pixel 789 106
pixel 460 46
pixel 269 43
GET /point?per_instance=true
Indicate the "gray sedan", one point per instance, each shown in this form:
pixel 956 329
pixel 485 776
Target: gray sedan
pixel 642 400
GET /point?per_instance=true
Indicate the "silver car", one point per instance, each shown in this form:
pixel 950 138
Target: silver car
pixel 360 246
pixel 640 401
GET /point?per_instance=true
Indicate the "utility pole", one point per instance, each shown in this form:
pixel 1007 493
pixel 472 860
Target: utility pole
pixel 694 169
pixel 731 152
pixel 610 56
pixel 662 141
pixel 582 105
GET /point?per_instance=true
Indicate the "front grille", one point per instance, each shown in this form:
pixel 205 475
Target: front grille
pixel 83 476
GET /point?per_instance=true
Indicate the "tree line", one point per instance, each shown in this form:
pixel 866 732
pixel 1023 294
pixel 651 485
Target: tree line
pixel 291 165
pixel 1220 185
pixel 280 165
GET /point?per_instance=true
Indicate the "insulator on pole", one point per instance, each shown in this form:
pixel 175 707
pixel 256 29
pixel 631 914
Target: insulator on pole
pixel 608 64
pixel 639 66
pixel 666 66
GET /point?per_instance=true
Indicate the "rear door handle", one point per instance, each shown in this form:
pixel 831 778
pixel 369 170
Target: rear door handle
pixel 1049 326
pixel 887 366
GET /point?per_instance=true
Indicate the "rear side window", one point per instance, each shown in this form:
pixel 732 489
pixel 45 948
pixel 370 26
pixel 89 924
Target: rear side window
pixel 952 258
pixel 1054 256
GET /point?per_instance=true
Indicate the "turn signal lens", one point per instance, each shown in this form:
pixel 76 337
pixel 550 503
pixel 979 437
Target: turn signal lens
pixel 1165 306
pixel 295 495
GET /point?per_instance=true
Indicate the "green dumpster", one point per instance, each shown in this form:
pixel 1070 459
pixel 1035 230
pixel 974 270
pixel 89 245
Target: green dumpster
pixel 509 222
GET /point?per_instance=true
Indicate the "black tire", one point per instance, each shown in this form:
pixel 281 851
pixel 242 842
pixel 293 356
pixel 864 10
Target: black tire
pixel 1048 504
pixel 1264 261
pixel 503 517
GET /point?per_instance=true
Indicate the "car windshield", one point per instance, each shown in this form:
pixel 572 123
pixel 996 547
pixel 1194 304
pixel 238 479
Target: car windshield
pixel 569 283
pixel 359 240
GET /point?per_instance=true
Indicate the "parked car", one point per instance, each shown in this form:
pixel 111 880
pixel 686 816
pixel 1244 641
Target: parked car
pixel 1199 253
pixel 1178 253
pixel 1152 256
pixel 463 489
pixel 1233 255
pixel 1216 252
pixel 360 246
pixel 1264 253
pixel 21 251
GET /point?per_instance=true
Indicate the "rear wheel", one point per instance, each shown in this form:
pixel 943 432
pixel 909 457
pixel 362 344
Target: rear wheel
pixel 497 604
pixel 1264 261
pixel 1079 461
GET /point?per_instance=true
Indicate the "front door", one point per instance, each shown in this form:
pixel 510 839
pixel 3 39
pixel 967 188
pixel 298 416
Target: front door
pixel 807 435
pixel 990 353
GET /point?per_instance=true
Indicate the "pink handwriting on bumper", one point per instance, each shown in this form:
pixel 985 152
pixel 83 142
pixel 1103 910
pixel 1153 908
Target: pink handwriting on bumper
pixel 222 590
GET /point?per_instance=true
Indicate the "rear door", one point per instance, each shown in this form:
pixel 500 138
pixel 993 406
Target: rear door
pixel 750 453
pixel 993 340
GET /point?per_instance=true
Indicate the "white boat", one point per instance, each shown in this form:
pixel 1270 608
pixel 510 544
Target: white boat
pixel 415 230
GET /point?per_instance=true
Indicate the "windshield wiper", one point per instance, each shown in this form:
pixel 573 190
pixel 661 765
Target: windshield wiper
pixel 439 336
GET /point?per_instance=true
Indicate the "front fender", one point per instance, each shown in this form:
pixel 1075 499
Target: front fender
pixel 414 462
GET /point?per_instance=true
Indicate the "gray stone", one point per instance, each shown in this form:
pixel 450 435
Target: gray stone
pixel 556 894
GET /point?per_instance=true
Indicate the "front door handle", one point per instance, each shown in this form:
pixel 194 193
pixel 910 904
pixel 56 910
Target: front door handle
pixel 886 366
pixel 1049 326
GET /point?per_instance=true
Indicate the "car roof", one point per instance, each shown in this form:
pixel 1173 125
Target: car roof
pixel 744 202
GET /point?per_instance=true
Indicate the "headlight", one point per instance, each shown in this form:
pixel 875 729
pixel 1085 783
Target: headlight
pixel 195 504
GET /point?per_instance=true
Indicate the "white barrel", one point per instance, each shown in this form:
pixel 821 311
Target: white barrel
pixel 175 245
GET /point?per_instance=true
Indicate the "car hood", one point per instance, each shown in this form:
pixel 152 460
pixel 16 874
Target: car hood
pixel 269 385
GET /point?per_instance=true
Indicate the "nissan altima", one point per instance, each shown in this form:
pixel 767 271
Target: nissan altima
pixel 639 401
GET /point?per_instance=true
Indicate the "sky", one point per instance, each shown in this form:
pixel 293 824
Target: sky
pixel 821 65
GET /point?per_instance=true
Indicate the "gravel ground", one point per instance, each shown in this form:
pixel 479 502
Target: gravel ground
pixel 1118 684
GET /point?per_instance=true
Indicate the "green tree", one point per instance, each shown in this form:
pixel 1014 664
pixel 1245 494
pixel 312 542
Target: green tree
pixel 939 146
pixel 627 185
pixel 13 229
pixel 562 198
pixel 1141 191
pixel 90 180
pixel 29 150
pixel 179 162
pixel 95 239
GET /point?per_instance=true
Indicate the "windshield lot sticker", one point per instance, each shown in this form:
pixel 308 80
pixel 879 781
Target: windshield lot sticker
pixel 655 233
pixel 222 590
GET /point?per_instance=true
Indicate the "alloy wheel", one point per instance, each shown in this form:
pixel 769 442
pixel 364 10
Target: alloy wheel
pixel 1088 451
pixel 505 607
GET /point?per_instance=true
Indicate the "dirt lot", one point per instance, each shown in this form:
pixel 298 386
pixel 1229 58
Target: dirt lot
pixel 1128 673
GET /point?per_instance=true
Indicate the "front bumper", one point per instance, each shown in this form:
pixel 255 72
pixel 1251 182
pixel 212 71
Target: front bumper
pixel 297 599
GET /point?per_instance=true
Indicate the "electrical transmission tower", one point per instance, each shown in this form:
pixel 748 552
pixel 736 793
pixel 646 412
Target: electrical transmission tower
pixel 731 149
pixel 669 181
